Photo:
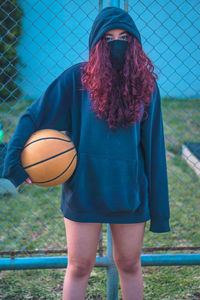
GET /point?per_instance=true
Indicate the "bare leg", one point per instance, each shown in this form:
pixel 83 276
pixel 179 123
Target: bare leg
pixel 127 244
pixel 82 242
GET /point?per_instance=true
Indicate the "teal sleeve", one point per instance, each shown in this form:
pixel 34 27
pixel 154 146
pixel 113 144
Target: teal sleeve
pixel 153 146
pixel 52 111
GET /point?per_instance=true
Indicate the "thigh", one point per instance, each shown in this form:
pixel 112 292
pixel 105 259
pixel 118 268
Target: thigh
pixel 82 240
pixel 127 240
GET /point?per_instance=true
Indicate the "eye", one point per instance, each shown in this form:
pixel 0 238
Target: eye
pixel 108 39
pixel 124 37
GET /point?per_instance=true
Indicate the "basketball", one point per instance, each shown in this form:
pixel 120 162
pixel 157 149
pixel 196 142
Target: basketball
pixel 49 157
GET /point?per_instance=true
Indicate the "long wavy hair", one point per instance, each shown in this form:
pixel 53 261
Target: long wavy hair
pixel 118 95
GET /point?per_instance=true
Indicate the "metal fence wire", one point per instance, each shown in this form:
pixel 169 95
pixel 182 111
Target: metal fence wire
pixel 39 40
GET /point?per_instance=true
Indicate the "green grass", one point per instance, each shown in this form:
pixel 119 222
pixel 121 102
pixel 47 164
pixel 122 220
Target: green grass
pixel 33 220
pixel 159 283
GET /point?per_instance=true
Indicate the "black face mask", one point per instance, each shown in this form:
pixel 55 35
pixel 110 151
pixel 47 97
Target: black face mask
pixel 117 52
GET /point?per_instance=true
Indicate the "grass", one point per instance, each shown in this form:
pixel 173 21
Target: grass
pixel 33 220
pixel 164 283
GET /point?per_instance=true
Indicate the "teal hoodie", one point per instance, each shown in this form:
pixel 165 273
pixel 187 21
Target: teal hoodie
pixel 121 174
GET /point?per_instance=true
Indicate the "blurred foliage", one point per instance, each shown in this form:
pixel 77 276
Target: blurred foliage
pixel 10 32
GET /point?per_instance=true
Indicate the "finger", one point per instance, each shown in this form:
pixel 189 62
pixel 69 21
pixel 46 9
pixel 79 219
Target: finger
pixel 29 181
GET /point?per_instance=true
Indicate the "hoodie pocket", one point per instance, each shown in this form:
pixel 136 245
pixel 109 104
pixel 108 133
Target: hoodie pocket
pixel 109 185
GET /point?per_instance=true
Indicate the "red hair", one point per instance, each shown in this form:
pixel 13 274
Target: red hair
pixel 119 94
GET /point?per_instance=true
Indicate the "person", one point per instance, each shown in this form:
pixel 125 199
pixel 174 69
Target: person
pixel 110 107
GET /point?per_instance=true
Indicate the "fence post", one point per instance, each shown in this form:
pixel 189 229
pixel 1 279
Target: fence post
pixel 126 5
pixel 112 273
pixel 100 5
pixel 113 3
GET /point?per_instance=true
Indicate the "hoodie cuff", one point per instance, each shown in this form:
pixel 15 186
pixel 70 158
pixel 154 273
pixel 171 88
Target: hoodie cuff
pixel 18 176
pixel 159 225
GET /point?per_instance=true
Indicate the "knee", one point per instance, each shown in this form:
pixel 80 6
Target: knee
pixel 128 265
pixel 80 268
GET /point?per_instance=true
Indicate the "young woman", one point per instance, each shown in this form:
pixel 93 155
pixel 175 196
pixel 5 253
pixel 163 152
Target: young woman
pixel 110 106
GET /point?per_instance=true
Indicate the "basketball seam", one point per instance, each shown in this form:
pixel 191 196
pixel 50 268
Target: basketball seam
pixel 48 158
pixel 35 182
pixel 49 138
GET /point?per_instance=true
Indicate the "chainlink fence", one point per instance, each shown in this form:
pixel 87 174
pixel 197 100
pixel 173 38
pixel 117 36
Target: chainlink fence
pixel 39 40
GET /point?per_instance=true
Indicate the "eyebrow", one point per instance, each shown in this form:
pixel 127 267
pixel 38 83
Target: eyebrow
pixel 119 34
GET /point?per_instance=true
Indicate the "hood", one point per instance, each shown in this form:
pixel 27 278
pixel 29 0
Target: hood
pixel 110 18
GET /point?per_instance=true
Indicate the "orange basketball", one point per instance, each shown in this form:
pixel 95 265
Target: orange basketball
pixel 49 157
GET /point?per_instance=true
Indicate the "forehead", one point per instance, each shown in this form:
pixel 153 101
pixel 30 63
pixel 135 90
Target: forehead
pixel 115 31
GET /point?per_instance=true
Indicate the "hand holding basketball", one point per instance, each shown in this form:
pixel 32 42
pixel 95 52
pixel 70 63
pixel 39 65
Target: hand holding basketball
pixel 49 157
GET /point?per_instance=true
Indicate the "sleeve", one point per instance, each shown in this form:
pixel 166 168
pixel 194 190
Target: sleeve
pixel 153 146
pixel 51 111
